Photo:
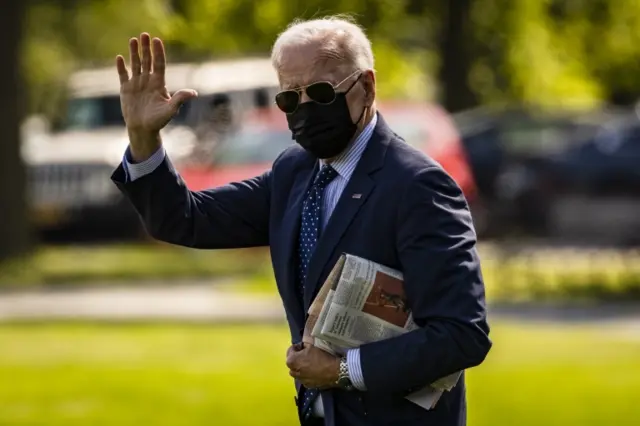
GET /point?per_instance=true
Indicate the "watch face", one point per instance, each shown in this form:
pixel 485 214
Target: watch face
pixel 345 383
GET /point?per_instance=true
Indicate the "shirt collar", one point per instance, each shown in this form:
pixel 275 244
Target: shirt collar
pixel 347 161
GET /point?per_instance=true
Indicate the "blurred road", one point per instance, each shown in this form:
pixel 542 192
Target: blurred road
pixel 175 303
pixel 204 302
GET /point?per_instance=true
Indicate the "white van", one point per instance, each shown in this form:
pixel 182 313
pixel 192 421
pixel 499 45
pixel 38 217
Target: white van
pixel 70 161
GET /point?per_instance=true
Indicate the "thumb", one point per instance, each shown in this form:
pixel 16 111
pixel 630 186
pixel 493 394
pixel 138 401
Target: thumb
pixel 180 97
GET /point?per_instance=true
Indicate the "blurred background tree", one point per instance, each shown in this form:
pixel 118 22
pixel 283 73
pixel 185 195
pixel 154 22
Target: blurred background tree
pixel 545 53
pixel 14 238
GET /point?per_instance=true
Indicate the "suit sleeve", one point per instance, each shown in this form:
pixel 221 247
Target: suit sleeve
pixel 436 245
pixel 230 216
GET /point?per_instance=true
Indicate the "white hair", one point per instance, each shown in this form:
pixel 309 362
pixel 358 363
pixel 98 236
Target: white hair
pixel 338 37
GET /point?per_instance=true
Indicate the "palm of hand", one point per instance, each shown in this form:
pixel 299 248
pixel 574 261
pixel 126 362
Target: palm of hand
pixel 145 102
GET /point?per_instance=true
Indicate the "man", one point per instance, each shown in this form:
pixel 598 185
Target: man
pixel 349 185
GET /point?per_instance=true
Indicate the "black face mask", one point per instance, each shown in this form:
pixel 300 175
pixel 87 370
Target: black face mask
pixel 324 130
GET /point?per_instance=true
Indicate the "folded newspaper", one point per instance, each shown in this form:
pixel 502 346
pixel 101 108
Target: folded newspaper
pixel 361 302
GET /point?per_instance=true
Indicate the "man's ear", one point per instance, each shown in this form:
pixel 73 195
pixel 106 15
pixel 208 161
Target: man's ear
pixel 369 85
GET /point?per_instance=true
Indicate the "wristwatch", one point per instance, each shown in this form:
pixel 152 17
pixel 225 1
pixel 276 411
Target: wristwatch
pixel 344 380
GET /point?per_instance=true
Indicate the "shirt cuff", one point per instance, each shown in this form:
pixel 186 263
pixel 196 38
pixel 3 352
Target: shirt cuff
pixel 355 370
pixel 137 170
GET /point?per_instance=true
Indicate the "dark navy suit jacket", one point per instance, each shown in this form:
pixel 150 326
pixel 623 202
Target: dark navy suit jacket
pixel 410 216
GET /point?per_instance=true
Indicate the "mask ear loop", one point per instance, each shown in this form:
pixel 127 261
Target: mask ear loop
pixel 361 115
pixel 364 109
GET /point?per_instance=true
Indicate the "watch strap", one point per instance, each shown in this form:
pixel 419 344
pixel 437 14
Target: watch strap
pixel 344 378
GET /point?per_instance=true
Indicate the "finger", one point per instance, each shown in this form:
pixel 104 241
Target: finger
pixel 145 42
pixel 122 69
pixel 290 350
pixel 134 56
pixel 292 361
pixel 296 347
pixel 180 97
pixel 305 349
pixel 159 57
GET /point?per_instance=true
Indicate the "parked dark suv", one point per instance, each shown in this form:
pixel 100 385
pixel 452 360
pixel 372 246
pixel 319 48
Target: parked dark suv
pixel 554 175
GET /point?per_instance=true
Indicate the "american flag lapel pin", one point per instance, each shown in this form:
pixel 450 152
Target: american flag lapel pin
pixel 356 196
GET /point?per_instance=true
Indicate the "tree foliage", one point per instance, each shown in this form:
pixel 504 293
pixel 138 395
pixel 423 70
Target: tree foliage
pixel 540 52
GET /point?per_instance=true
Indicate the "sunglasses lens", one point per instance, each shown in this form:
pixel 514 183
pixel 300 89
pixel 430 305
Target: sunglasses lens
pixel 322 93
pixel 288 101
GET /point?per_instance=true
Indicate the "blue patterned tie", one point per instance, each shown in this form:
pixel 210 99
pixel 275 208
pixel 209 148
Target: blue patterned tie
pixel 310 227
pixel 311 222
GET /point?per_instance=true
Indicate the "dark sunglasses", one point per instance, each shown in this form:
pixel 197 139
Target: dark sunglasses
pixel 321 92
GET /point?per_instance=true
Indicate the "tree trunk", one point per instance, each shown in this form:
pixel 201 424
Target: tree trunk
pixel 14 221
pixel 456 56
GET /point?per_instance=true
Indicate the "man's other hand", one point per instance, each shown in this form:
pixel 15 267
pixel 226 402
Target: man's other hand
pixel 313 367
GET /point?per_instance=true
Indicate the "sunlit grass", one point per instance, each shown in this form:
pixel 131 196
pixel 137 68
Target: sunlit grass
pixel 54 375
pixel 561 274
pixel 538 274
pixel 129 262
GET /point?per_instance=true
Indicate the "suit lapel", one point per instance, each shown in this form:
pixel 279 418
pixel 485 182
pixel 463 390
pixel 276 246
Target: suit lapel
pixel 353 197
pixel 291 226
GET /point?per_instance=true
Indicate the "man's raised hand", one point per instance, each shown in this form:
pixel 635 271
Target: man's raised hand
pixel 146 104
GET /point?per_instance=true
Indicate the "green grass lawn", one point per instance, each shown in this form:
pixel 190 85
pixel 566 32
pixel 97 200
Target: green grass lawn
pixel 141 263
pixel 55 375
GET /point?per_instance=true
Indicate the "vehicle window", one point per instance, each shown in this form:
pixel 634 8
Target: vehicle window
pixel 97 112
pixel 251 146
pixel 534 138
pixel 91 113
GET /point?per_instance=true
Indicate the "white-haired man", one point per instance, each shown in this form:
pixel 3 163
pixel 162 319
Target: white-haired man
pixel 349 185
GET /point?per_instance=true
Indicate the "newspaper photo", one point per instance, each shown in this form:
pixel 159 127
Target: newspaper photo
pixel 361 302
